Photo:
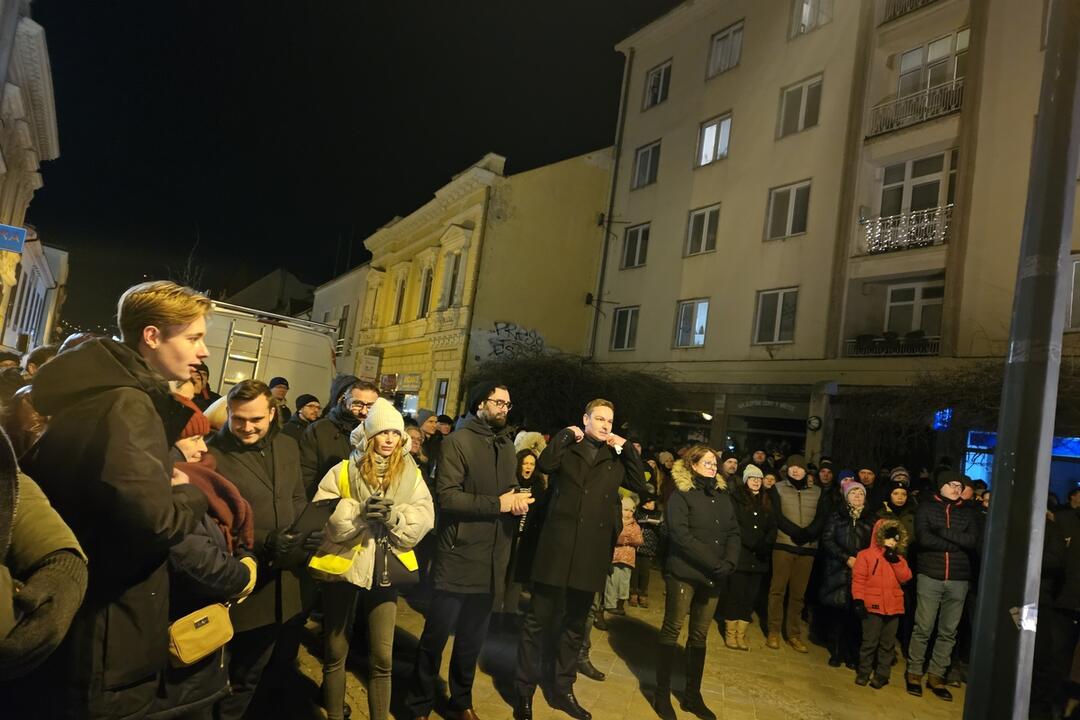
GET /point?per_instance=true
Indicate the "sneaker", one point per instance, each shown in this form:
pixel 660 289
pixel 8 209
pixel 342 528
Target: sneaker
pixel 797 645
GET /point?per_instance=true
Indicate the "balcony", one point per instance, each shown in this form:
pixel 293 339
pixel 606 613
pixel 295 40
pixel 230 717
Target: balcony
pixel 921 228
pixel 890 344
pixel 935 102
pixel 899 8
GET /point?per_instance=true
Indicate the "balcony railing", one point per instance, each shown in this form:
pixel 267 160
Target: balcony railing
pixel 920 228
pixel 890 344
pixel 909 110
pixel 899 8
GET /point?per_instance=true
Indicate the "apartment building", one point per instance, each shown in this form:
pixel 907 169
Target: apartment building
pixel 813 196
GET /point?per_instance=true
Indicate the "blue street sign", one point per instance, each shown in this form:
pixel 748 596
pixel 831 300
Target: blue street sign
pixel 12 238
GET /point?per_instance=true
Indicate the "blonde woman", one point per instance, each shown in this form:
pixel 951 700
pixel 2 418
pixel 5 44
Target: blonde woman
pixel 385 506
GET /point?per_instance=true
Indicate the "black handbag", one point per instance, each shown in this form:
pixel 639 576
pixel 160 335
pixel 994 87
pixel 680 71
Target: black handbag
pixel 393 569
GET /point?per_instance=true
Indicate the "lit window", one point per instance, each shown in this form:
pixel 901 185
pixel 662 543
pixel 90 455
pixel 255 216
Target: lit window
pixel 691 319
pixel 713 139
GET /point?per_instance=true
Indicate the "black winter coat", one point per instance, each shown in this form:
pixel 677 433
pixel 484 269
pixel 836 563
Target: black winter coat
pixel 473 552
pixel 1062 558
pixel 757 531
pixel 295 426
pixel 703 531
pixel 277 499
pixel 202 572
pixel 324 444
pixel 845 537
pixel 583 517
pixel 948 535
pixel 104 463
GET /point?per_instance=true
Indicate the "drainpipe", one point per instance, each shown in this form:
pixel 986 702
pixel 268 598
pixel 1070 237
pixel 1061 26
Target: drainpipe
pixel 628 65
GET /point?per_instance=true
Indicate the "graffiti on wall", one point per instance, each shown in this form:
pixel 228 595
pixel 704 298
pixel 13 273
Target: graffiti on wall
pixel 509 341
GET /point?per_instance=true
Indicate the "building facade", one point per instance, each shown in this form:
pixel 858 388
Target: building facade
pixel 337 303
pixel 493 265
pixel 816 196
pixel 39 296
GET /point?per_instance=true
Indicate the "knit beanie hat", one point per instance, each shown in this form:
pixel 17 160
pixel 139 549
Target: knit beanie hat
pixel 446 420
pixel 892 486
pixel 197 424
pixel 796 461
pixel 752 471
pixel 275 381
pixel 423 414
pixel 728 455
pixel 899 472
pixel 845 475
pixel 849 485
pixel 304 400
pixel 381 417
pixel 665 457
pixel 866 466
pixel 947 476
pixel 892 532
pixel 478 394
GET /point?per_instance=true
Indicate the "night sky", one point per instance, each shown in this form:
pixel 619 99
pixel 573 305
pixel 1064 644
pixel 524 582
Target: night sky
pixel 282 133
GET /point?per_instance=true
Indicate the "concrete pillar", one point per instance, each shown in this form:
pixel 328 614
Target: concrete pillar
pixel 819 441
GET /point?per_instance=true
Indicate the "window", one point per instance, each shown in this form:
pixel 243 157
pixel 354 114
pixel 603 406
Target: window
pixel 789 207
pixel 624 328
pixel 914 306
pixel 374 306
pixel 713 139
pixel 646 165
pixel 774 320
pixel 690 321
pixel 938 62
pixel 452 272
pixel 799 106
pixel 442 390
pixel 657 82
pixel 342 329
pixel 425 293
pixel 726 49
pixel 919 184
pixel 808 15
pixel 635 246
pixel 399 304
pixel 701 230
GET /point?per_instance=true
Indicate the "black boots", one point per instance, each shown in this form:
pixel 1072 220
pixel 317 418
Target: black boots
pixel 692 701
pixel 662 696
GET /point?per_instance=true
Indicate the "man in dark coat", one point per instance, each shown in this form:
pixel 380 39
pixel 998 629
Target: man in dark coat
pixel 477 507
pixel 307 412
pixel 325 442
pixel 264 465
pixel 583 520
pixel 104 463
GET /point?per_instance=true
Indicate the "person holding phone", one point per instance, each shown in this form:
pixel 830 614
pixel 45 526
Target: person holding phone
pixel 383 499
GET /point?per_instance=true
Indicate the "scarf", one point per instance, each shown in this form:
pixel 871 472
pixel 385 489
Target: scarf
pixel 227 507
pixel 382 464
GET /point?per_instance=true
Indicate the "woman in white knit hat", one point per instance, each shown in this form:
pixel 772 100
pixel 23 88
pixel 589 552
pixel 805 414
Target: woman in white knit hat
pixel 385 507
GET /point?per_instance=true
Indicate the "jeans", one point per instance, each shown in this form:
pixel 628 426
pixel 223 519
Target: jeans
pixel 790 573
pixel 379 605
pixel 941 601
pixel 542 617
pixel 878 643
pixel 617 586
pixel 466 615
pixel 682 598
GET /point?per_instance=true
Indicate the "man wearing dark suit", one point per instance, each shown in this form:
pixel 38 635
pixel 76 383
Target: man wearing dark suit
pixel 264 464
pixel 583 519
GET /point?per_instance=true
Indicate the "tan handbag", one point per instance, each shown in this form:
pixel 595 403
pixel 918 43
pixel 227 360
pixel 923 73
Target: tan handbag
pixel 198 634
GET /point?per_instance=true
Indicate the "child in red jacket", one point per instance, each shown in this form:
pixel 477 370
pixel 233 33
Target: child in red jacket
pixel 879 572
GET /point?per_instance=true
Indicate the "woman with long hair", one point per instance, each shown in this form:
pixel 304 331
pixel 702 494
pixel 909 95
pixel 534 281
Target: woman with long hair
pixel 384 507
pixel 703 536
pixel 757 529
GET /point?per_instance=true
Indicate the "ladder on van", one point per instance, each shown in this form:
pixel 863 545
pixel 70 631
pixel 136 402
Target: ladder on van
pixel 243 353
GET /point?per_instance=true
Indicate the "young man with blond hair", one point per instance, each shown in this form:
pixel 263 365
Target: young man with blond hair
pixel 104 463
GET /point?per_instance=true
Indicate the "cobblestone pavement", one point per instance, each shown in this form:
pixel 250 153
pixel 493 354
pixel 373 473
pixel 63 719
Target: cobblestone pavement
pixel 763 684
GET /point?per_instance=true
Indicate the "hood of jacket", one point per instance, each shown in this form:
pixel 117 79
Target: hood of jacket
pixel 93 367
pixel 683 476
pixel 878 536
pixel 475 425
pixel 338 386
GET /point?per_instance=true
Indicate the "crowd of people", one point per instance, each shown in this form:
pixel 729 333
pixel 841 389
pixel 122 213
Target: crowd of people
pixel 163 547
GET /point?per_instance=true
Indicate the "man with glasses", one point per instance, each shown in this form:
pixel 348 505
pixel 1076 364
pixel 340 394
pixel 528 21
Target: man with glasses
pixel 325 442
pixel 586 466
pixel 948 534
pixel 479 512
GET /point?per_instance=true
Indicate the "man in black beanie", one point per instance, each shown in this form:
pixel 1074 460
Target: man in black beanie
pixel 308 409
pixel 729 468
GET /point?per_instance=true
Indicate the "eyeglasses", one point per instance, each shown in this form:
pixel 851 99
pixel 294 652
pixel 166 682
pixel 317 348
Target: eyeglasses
pixel 361 405
pixel 500 404
pixel 710 465
pixel 955 485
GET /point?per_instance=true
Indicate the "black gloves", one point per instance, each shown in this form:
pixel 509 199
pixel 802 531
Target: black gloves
pixel 314 540
pixel 723 569
pixel 377 509
pixel 277 545
pixel 891 555
pixel 860 609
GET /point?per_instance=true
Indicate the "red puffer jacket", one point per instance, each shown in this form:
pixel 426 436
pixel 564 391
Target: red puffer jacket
pixel 875 580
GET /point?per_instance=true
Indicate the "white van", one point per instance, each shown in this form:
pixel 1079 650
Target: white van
pixel 246 343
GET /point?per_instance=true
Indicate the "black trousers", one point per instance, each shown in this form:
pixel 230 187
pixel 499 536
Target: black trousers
pixel 639 576
pixel 466 615
pixel 744 588
pixel 544 611
pixel 878 644
pixel 249 653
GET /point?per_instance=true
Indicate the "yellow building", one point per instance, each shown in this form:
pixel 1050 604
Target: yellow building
pixel 492 266
pixel 829 194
